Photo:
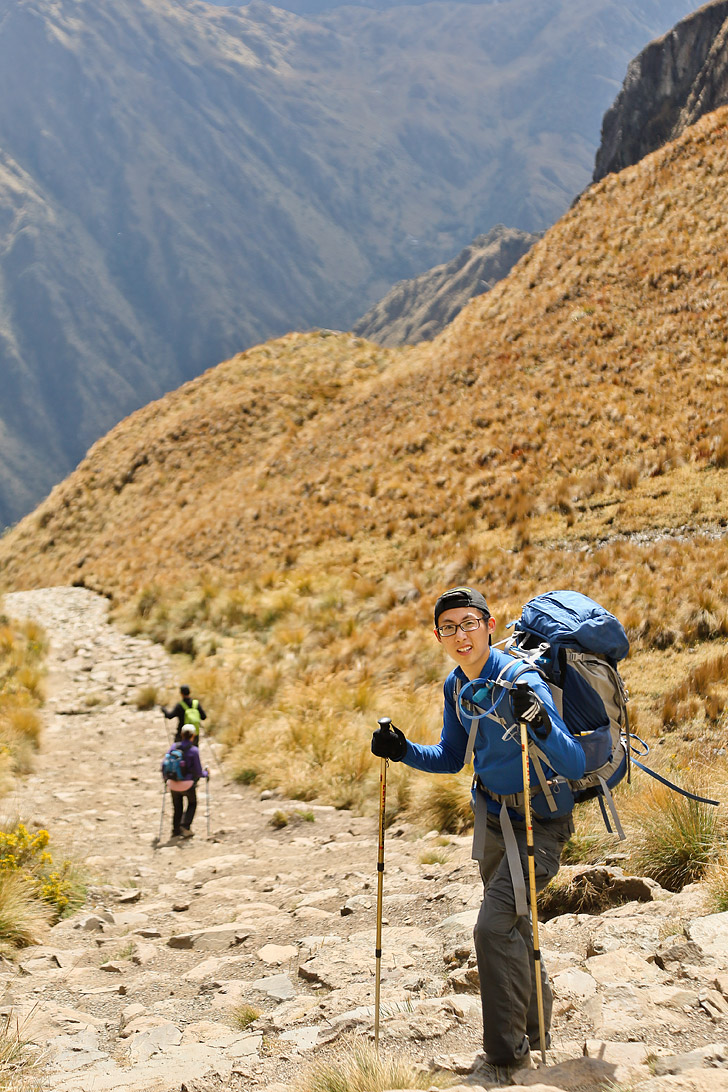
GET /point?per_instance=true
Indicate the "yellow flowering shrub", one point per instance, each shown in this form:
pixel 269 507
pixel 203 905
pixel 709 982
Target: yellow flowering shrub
pixel 26 853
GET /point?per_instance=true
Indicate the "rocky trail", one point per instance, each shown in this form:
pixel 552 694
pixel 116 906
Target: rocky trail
pixel 142 988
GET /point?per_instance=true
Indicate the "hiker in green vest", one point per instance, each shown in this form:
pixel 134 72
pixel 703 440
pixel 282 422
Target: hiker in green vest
pixel 188 710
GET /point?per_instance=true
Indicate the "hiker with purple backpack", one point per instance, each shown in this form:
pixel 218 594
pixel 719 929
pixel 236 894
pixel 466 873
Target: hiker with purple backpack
pixel 181 770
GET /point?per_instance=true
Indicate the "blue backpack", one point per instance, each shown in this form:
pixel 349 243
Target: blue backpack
pixel 576 644
pixel 174 765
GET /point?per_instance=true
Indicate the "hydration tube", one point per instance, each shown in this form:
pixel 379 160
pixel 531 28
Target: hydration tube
pixel 487 687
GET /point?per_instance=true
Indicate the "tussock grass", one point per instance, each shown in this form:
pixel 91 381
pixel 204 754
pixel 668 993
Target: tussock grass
pixel 22 648
pixel 716 880
pixel 358 1068
pixel 244 1015
pixel 24 919
pixel 673 839
pixel 591 842
pixel 444 803
pixel 146 697
pixel 20 1065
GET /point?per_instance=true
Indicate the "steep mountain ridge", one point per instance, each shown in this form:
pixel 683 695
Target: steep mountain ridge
pixel 669 85
pixel 418 309
pixel 180 180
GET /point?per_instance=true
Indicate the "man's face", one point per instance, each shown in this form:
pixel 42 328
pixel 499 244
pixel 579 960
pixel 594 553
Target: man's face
pixel 470 648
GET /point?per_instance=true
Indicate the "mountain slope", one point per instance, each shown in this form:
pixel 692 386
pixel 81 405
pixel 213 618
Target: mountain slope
pixel 567 429
pixel 180 180
pixel 601 354
pixel 420 308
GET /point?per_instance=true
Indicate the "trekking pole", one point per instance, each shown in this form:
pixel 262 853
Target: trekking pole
pixel 385 723
pixel 161 818
pixel 208 739
pixel 168 730
pixel 532 886
pixel 207 798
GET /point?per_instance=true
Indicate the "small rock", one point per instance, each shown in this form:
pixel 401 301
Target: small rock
pixel 278 986
pixel 130 896
pixel 714 1003
pixel 276 954
pixel 465 980
pixel 714 1056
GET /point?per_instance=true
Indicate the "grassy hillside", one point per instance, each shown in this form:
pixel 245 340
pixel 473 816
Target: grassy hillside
pixel 297 509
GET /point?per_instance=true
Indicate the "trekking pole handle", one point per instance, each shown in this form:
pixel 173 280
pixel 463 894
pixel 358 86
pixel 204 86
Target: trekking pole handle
pixel 385 723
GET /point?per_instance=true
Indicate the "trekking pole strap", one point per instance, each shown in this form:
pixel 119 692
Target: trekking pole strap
pixel 676 788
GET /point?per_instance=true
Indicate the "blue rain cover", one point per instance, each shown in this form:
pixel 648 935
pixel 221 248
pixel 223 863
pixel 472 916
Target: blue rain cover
pixel 572 620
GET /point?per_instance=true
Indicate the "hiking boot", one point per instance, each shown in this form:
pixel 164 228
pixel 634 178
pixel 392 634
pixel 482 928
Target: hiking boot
pixel 497 1076
pixel 186 832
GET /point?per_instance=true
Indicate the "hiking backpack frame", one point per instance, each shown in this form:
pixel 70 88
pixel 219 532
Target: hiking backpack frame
pixel 574 644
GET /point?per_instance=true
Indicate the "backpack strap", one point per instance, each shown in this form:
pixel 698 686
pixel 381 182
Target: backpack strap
pixel 606 794
pixel 537 757
pixel 514 863
pixel 676 788
pixel 513 857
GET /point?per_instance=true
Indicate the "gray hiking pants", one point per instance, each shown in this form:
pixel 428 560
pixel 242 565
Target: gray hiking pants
pixel 504 941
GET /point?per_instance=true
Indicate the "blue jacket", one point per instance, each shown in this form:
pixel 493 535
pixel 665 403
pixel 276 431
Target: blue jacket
pixel 496 761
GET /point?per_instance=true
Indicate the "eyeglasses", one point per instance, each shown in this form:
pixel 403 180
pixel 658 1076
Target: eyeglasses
pixel 449 629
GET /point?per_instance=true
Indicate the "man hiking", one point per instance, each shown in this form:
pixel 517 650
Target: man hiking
pixel 187 771
pixel 187 711
pixel 503 936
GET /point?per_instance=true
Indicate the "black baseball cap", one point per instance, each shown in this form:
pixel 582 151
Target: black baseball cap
pixel 461 597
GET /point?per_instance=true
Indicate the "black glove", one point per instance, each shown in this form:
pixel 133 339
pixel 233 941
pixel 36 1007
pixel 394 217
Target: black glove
pixel 526 706
pixel 389 743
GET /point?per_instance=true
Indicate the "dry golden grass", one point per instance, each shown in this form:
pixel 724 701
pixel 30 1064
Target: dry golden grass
pixel 360 1068
pixel 21 1068
pixel 568 429
pixel 22 648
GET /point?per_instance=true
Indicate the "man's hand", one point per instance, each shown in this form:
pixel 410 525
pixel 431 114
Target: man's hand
pixel 389 743
pixel 526 706
pixel 164 709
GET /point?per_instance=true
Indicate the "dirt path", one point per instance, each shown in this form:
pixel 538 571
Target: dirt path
pixel 141 989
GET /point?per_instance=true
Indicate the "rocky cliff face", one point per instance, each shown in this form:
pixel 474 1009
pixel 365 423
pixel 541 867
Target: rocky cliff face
pixel 418 309
pixel 668 86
